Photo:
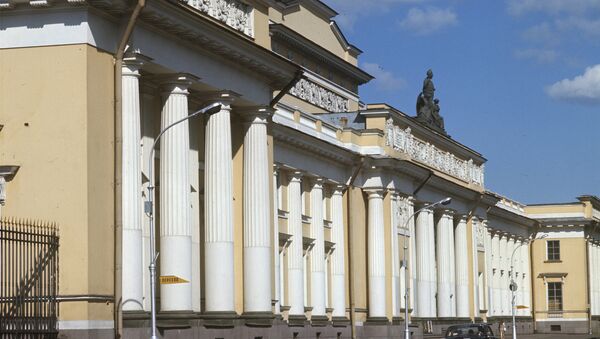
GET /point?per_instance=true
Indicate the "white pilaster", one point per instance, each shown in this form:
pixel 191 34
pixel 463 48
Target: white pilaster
pixel 131 182
pixel 412 253
pixel 295 250
pixel 175 227
pixel 496 281
pixel 518 274
pixel 462 268
pixel 476 302
pixel 195 212
pixel 257 222
pixel 376 254
pixel 218 209
pixel 395 224
pixel 317 262
pixel 338 280
pixel 425 264
pixel 489 272
pixel 445 264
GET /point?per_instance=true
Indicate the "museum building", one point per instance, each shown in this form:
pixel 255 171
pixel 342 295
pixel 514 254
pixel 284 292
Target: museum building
pixel 285 208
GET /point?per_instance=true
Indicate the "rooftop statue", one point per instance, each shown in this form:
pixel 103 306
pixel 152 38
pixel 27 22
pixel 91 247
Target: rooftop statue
pixel 428 108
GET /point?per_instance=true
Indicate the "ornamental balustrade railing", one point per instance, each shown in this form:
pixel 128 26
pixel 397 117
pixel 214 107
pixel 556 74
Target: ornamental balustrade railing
pixel 233 13
pixel 319 96
pixel 403 141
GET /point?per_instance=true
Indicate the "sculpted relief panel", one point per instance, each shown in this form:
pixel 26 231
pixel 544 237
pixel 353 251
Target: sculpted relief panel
pixel 402 140
pixel 319 96
pixel 233 13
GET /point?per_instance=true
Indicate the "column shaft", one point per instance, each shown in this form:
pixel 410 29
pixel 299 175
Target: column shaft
pixel 131 183
pixel 425 264
pixel 376 255
pixel 257 230
pixel 317 262
pixel 445 264
pixel 175 227
pixel 276 257
pixel 338 283
pixel 295 250
pixel 505 310
pixel 462 269
pixel 218 209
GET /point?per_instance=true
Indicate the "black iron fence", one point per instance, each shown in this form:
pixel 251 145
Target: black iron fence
pixel 28 279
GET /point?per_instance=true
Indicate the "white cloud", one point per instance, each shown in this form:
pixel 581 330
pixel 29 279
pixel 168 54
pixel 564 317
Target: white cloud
pixel 428 20
pixel 539 55
pixel 587 26
pixel 541 33
pixel 583 88
pixel 384 80
pixel 351 11
pixel 519 7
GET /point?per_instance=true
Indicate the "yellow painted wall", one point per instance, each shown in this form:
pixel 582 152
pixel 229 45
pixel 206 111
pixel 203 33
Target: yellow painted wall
pixel 58 128
pixel 574 264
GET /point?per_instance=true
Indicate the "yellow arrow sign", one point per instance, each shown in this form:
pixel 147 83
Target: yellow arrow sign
pixel 171 279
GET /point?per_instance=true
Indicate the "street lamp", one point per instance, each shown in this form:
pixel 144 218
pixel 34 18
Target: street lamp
pixel 149 210
pixel 513 285
pixel 444 201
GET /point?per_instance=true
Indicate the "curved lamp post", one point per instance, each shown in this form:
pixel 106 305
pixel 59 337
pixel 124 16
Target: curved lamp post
pixel 513 286
pixel 444 201
pixel 149 210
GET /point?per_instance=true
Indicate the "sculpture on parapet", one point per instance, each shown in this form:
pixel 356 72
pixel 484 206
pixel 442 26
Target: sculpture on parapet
pixel 428 108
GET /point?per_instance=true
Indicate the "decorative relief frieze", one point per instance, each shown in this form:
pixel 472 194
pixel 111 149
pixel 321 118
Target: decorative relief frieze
pixel 402 140
pixel 400 212
pixel 233 13
pixel 319 96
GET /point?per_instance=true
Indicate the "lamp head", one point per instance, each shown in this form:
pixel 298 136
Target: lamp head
pixel 446 201
pixel 212 108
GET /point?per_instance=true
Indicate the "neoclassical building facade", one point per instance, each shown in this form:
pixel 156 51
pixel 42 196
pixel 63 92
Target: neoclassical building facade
pixel 294 210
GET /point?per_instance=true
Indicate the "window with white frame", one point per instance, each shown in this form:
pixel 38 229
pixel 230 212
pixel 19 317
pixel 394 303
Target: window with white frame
pixel 555 296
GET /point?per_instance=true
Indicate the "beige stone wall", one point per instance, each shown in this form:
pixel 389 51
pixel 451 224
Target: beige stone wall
pixel 57 109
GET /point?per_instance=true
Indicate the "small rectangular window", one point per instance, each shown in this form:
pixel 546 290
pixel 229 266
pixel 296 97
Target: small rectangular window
pixel 555 298
pixel 553 249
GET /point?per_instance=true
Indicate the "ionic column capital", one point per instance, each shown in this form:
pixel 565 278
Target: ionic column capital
pixel 255 115
pixel 317 183
pixel 374 193
pixel 225 98
pixel 338 190
pixel 295 176
pixel 176 83
pixel 133 63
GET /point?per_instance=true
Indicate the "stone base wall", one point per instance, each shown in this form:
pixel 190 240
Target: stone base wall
pixel 524 324
pixel 563 326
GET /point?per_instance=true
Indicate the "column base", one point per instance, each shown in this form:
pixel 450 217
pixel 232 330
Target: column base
pixel 297 320
pixel 258 319
pixel 175 319
pixel 340 321
pixel 397 320
pixel 319 320
pixel 224 319
pixel 377 321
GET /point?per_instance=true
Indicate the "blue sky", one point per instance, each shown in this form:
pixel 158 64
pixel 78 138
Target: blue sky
pixel 518 81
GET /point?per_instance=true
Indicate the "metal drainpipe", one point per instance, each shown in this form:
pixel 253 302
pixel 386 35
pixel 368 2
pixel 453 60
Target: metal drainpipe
pixel 349 247
pixel 118 249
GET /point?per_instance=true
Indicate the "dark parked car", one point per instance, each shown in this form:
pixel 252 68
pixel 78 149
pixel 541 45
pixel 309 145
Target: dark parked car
pixel 468 331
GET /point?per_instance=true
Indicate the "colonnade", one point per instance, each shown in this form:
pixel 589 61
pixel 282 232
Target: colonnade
pixel 504 247
pixel 177 229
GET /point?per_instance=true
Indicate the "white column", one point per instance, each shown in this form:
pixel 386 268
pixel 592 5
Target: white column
pixel 395 224
pixel 317 262
pixel 412 250
pixel 376 254
pixel 592 274
pixel 425 262
pixel 276 256
pixel 295 250
pixel 497 295
pixel 526 280
pixel 131 182
pixel 489 272
pixel 462 268
pixel 476 302
pixel 257 214
pixel 505 310
pixel 175 227
pixel 445 264
pixel 195 212
pixel 338 280
pixel 519 275
pixel 218 209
